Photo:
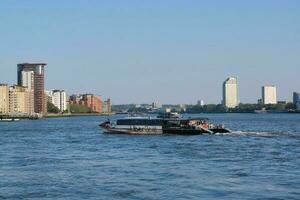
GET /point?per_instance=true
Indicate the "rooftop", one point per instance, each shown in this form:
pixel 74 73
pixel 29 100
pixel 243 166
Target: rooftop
pixel 33 64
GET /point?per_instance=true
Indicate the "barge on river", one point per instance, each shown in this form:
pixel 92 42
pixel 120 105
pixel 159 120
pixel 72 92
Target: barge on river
pixel 153 126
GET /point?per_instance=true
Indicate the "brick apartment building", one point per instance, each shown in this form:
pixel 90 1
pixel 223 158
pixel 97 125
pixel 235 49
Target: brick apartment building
pixel 89 100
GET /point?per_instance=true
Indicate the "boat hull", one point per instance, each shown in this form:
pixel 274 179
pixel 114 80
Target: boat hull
pixel 164 131
pixel 133 131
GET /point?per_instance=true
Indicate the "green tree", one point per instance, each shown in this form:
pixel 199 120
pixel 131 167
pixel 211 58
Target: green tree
pixel 74 108
pixel 51 108
pixel 290 106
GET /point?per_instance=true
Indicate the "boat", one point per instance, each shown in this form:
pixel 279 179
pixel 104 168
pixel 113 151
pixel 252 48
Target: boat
pixel 159 125
pixel 8 119
pixel 133 125
pixel 192 126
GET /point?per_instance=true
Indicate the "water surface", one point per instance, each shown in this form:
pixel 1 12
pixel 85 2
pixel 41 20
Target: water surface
pixel 71 158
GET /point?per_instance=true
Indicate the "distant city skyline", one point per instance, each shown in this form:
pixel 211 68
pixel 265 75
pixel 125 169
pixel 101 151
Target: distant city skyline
pixel 168 51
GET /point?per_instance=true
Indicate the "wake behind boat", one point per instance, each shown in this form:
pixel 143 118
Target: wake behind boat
pixel 162 125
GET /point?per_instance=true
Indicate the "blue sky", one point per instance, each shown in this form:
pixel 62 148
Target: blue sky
pixel 141 51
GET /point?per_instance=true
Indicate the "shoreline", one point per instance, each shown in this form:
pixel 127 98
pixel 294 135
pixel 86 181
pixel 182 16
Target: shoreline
pixel 48 116
pixel 77 115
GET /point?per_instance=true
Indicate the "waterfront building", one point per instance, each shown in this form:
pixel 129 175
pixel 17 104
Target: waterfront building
pixel 108 103
pixel 269 95
pixel 230 93
pixel 106 106
pixel 91 101
pixel 19 100
pixel 156 105
pixel 58 98
pixel 75 99
pixel 4 99
pixel 27 80
pixel 200 103
pixel 259 102
pixel 31 75
pixel 296 100
pixel 48 96
pixel 282 102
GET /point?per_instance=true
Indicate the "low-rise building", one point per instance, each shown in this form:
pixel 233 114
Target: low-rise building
pixel 4 99
pixel 20 100
pixel 156 105
pixel 106 106
pixel 91 101
pixel 200 103
pixel 75 99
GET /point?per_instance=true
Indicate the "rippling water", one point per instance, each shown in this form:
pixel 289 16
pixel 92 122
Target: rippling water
pixel 70 158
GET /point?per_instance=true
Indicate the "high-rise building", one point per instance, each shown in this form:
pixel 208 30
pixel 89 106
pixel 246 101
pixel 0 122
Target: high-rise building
pixel 296 100
pixel 230 93
pixel 269 95
pixel 4 99
pixel 32 76
pixel 27 78
pixel 59 98
pixel 19 100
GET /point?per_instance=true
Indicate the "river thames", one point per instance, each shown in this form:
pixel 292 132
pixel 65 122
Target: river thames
pixel 71 158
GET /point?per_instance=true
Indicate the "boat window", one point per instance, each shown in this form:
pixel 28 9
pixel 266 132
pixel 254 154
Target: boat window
pixel 141 122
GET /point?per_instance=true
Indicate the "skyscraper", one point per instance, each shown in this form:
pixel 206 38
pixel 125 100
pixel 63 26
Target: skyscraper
pixel 27 78
pixel 269 95
pixel 230 93
pixel 31 75
pixel 296 100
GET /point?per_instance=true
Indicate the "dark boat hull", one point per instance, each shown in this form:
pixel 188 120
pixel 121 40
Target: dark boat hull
pixel 220 130
pixel 186 131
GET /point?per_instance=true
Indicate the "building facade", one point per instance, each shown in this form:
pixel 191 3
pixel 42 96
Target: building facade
pixel 19 100
pixel 156 105
pixel 91 101
pixel 200 103
pixel 230 93
pixel 32 75
pixel 296 100
pixel 4 99
pixel 106 106
pixel 269 95
pixel 58 98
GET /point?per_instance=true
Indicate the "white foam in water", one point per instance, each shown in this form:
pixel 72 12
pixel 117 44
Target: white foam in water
pixel 250 133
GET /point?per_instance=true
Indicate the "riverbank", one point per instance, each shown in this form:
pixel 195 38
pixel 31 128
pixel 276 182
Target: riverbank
pixel 52 115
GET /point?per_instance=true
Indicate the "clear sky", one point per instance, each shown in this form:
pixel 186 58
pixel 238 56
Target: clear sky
pixel 139 51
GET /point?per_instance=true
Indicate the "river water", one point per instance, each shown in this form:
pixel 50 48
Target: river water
pixel 71 158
